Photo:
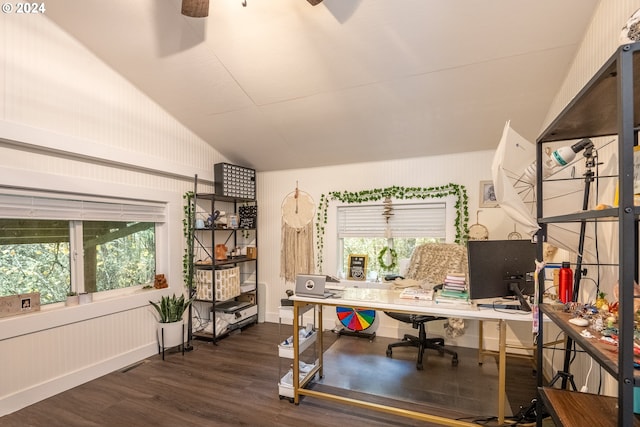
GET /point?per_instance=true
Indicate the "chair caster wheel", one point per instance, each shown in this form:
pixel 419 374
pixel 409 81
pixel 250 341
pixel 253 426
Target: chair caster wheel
pixel 454 362
pixel 419 367
pixel 389 352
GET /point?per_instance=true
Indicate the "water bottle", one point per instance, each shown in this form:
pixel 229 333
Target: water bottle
pixel 565 282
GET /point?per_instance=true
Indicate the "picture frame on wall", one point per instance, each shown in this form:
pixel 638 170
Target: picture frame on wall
pixel 488 195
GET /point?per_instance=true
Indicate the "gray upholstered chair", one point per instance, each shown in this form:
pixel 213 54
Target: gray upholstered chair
pixel 431 262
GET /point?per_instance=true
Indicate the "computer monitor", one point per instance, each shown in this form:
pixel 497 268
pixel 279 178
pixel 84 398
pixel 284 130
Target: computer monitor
pixel 501 268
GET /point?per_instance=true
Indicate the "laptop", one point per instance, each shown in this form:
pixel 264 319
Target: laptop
pixel 312 285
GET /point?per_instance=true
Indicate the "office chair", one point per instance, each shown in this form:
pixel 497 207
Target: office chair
pixel 431 262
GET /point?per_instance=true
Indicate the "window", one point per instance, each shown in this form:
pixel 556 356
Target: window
pixel 363 229
pixel 54 245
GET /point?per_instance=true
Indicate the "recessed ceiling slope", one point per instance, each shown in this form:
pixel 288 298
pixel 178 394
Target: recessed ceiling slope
pixel 281 84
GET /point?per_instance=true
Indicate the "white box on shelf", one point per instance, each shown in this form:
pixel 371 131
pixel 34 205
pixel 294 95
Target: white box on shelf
pixel 285 385
pixel 227 284
pixel 286 313
pixel 287 350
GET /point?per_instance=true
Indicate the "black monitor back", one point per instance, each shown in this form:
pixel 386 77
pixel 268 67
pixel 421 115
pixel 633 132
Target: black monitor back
pixel 497 265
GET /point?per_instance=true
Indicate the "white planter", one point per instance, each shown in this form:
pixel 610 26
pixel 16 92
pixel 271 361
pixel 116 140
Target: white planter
pixel 171 334
pixel 72 300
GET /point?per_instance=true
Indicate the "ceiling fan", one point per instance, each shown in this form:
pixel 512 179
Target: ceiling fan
pixel 200 8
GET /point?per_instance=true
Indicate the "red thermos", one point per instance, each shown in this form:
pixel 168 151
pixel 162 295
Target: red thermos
pixel 565 282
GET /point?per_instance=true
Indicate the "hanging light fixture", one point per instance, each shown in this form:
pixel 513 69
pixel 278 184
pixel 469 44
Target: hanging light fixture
pixel 195 8
pixel 314 2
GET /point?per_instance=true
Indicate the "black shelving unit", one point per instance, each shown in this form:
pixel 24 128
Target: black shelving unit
pixel 608 105
pixel 203 258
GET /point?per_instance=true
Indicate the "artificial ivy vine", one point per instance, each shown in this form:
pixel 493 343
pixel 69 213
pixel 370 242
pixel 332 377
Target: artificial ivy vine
pixel 401 193
pixel 187 230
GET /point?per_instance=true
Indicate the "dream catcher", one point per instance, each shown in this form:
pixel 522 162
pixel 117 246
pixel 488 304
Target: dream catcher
pixel 296 257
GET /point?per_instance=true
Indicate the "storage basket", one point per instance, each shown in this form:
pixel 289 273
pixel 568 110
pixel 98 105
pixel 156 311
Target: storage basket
pixel 227 284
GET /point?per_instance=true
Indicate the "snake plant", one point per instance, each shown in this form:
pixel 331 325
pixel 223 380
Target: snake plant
pixel 171 308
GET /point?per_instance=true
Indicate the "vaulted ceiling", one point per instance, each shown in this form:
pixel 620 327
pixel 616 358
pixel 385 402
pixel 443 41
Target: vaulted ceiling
pixel 281 84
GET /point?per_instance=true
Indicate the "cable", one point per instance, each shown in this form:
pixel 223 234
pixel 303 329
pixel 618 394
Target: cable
pixel 584 388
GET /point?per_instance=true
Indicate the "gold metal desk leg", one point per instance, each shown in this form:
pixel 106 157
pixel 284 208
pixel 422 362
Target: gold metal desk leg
pixel 320 343
pixel 502 370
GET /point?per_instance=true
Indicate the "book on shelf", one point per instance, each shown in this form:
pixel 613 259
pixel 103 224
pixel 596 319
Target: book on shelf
pixel 417 293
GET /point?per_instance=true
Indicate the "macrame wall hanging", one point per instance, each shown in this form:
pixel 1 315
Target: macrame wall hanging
pixel 296 257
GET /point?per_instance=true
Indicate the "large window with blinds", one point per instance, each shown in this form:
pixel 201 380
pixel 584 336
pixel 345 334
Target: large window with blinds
pixel 372 229
pixel 54 245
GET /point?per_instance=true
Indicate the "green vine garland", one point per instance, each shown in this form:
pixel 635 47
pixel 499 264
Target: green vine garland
pixel 187 231
pixel 401 193
pixel 394 258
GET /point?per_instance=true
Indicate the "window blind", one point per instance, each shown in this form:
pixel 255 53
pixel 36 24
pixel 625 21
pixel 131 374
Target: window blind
pixel 68 207
pixel 408 220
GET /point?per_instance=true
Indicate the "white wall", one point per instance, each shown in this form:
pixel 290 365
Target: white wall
pixel 465 169
pixel 70 123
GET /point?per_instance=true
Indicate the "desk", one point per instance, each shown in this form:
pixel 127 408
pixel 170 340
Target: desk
pixel 389 300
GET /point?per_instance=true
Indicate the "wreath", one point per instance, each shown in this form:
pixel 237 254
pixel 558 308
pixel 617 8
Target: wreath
pixel 394 258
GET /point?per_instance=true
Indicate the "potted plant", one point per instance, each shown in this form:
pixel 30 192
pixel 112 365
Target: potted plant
pixel 170 310
pixel 72 298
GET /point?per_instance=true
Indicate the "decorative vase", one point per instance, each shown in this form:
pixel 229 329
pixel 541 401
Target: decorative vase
pixel 171 334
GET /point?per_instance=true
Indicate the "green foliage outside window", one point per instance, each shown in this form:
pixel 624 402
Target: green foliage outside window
pixel 35 256
pixel 372 247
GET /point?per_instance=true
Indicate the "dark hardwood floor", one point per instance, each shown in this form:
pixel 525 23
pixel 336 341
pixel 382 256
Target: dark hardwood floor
pixel 235 384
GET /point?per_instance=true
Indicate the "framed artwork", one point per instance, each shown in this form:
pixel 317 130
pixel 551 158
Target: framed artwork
pixel 357 267
pixel 487 195
pixel 234 221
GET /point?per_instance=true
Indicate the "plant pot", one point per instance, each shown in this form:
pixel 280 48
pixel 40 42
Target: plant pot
pixel 72 300
pixel 171 334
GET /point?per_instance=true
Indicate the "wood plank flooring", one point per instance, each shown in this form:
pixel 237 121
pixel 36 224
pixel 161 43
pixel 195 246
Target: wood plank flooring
pixel 235 384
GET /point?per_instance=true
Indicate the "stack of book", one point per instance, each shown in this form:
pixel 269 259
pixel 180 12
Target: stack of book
pixel 454 289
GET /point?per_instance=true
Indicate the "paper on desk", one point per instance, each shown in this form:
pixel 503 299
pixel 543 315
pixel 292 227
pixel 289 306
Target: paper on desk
pixel 417 293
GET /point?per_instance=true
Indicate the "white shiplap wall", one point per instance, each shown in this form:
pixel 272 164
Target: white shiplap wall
pixel 466 169
pixel 70 123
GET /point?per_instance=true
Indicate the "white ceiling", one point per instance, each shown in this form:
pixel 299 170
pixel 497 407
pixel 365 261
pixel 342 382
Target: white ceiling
pixel 281 84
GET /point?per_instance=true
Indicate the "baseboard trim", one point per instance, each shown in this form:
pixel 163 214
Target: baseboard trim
pixel 44 390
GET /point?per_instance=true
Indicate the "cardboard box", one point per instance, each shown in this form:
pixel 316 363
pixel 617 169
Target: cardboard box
pixel 252 252
pixel 251 298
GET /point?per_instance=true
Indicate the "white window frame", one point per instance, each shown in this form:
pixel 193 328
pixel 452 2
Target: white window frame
pixel 76 209
pixel 449 226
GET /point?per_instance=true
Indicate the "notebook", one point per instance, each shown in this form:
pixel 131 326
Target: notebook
pixel 312 285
